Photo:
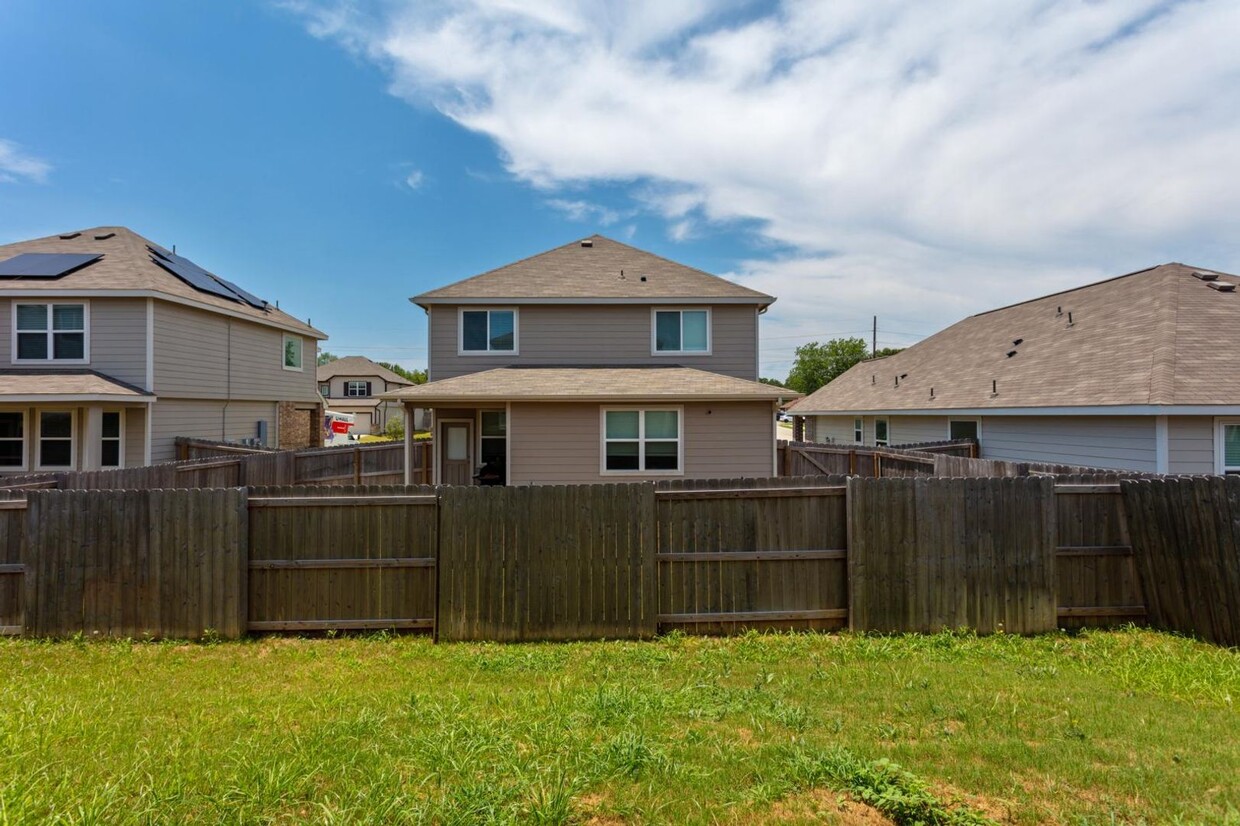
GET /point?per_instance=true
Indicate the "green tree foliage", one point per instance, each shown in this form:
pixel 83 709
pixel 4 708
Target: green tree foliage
pixel 415 376
pixel 888 351
pixel 395 427
pixel 326 357
pixel 816 364
pixel 773 382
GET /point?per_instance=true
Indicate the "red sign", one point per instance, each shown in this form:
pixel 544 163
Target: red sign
pixel 340 426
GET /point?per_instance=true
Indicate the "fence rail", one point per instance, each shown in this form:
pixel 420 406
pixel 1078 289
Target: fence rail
pixel 710 556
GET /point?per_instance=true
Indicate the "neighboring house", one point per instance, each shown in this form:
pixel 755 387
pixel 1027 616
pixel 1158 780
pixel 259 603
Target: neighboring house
pixel 1138 372
pixel 596 362
pixel 115 346
pixel 354 384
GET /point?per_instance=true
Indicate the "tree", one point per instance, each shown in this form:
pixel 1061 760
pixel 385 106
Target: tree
pixel 773 382
pixel 888 351
pixel 415 376
pixel 395 427
pixel 816 364
pixel 326 357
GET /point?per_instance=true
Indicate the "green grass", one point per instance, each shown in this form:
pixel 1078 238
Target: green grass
pixel 1116 727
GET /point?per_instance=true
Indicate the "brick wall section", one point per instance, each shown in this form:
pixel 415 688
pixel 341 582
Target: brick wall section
pixel 300 426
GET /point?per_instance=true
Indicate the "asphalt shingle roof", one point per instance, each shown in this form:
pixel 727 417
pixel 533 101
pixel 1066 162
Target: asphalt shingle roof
pixel 1156 337
pixel 636 384
pixel 605 269
pixel 33 383
pixel 358 366
pixel 127 266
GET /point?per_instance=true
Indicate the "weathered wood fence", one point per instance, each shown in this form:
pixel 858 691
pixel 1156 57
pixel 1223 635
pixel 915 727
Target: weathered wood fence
pixel 237 466
pixel 712 556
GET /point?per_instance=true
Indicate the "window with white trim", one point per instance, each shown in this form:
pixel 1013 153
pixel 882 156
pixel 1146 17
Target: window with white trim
pixel 488 331
pixel 292 352
pixel 1229 448
pixel 110 439
pixel 642 441
pixel 357 389
pixel 962 429
pixel 858 431
pixel 12 439
pixel 54 331
pixel 881 434
pixel 325 389
pixel 681 331
pixel 55 439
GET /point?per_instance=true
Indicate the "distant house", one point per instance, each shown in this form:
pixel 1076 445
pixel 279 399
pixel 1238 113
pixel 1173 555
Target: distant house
pixel 115 346
pixel 354 385
pixel 596 362
pixel 1137 372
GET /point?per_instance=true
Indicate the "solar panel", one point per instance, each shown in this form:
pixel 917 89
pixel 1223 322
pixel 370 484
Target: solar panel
pixel 46 264
pixel 201 280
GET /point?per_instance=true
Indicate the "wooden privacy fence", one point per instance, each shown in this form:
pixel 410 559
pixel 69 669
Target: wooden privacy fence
pixel 1022 554
pixel 368 464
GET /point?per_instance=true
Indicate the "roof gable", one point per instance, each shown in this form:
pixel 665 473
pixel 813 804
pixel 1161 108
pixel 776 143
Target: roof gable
pixel 596 268
pixel 1156 337
pixel 359 366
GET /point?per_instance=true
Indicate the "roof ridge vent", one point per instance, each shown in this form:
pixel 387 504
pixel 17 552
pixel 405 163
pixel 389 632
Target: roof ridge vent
pixel 587 242
pixel 1202 274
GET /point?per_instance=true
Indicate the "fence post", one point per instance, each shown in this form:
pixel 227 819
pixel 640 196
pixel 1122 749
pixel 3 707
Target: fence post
pixel 357 465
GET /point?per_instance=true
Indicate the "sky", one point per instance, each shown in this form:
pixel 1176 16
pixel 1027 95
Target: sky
pixel 914 161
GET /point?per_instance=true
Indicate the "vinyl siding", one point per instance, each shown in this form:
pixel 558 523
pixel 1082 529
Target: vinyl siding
pixel 834 430
pixel 597 335
pixel 1190 444
pixel 207 419
pixel 194 350
pixel 377 385
pixel 1119 442
pixel 560 443
pixel 135 436
pixel 117 337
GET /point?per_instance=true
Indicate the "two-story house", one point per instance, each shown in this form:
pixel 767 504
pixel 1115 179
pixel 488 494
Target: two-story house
pixel 596 362
pixel 354 384
pixel 115 346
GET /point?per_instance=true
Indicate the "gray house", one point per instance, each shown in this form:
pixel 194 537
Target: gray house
pixel 596 362
pixel 1137 372
pixel 115 346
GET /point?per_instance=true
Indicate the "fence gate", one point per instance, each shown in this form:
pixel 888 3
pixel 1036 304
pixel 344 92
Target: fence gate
pixel 12 533
pixel 342 558
pixel 547 563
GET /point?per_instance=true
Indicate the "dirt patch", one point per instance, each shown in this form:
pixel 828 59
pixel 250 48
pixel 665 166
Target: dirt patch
pixel 1000 811
pixel 822 806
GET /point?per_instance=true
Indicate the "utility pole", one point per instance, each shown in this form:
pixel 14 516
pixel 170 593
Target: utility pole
pixel 874 340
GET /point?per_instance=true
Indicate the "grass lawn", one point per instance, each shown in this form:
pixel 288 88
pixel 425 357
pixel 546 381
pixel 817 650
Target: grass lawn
pixel 1128 726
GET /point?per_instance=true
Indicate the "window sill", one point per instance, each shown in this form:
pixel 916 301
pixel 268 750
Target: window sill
pixel 487 353
pixel 641 473
pixel 49 362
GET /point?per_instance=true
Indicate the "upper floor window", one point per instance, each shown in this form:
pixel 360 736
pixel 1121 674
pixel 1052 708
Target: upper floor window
pixel 357 389
pixel 292 352
pixel 681 331
pixel 53 331
pixel 488 331
pixel 325 389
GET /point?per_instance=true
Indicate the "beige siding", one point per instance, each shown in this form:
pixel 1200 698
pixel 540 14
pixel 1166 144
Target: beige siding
pixel 597 335
pixel 377 385
pixel 1119 442
pixel 207 419
pixel 204 355
pixel 914 429
pixel 1190 444
pixel 834 430
pixel 117 337
pixel 560 443
pixel 135 436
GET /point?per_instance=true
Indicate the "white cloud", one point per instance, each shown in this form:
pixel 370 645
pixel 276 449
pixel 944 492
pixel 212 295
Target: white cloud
pixel 923 159
pixel 585 211
pixel 17 165
pixel 415 179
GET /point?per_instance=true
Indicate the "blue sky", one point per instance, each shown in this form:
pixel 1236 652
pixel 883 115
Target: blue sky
pixel 852 158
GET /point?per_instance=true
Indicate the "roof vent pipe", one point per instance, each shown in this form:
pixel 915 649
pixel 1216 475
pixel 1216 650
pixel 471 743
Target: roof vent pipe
pixel 932 392
pixel 1017 342
pixel 1058 312
pixel 1070 318
pixel 994 387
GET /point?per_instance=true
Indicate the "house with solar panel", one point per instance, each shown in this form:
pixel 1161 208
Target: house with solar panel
pixel 116 346
pixel 1137 372
pixel 595 362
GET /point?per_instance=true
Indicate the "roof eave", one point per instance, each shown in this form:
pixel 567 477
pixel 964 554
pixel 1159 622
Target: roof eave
pixel 591 398
pixel 425 301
